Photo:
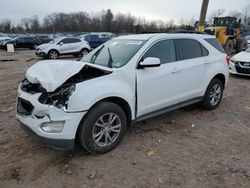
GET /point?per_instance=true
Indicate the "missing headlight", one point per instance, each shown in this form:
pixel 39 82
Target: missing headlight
pixel 59 98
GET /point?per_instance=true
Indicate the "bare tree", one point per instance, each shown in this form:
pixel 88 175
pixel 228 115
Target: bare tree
pixel 246 16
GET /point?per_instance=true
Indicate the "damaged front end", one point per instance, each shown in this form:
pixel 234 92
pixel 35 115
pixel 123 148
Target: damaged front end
pixel 59 98
pixel 42 102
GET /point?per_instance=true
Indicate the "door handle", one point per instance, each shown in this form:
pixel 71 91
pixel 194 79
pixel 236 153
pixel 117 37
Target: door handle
pixel 175 70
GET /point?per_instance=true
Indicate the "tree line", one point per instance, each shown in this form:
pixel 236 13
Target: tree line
pixel 105 21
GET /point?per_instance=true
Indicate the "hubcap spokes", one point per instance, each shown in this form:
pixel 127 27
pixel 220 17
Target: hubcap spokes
pixel 215 94
pixel 53 55
pixel 106 129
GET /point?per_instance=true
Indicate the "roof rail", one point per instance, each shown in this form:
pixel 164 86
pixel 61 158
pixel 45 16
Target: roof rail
pixel 187 31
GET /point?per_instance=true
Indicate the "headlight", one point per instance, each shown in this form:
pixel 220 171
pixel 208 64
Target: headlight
pixel 59 98
pixel 41 49
pixel 233 61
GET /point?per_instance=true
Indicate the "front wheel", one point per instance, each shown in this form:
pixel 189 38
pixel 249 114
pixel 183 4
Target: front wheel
pixel 213 94
pixel 103 128
pixel 53 54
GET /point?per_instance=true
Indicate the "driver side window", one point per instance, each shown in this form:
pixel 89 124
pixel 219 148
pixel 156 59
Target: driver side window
pixel 164 50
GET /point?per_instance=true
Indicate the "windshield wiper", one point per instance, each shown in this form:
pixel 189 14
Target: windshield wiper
pixel 110 58
pixel 94 56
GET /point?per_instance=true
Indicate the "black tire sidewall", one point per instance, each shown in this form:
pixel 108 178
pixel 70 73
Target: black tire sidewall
pixel 51 52
pixel 84 49
pixel 206 102
pixel 86 127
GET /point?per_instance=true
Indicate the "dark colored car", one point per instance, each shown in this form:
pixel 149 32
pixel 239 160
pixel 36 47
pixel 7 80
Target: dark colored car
pixel 94 40
pixel 24 42
pixel 44 38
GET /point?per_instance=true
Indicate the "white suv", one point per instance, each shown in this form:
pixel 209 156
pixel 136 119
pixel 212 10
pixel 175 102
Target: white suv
pixel 63 46
pixel 126 80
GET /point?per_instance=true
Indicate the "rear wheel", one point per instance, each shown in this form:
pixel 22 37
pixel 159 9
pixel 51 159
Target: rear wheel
pixel 53 54
pixel 35 46
pixel 213 94
pixel 103 128
pixel 229 46
pixel 84 52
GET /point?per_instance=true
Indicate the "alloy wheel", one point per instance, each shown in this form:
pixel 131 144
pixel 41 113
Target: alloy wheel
pixel 106 129
pixel 215 94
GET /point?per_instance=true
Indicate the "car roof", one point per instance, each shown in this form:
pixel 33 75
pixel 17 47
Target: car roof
pixel 165 35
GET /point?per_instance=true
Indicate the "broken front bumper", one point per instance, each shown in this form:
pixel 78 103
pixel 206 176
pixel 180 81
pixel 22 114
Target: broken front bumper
pixel 33 115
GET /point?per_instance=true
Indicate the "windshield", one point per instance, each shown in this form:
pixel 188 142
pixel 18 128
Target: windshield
pixel 248 50
pixel 114 53
pixel 54 41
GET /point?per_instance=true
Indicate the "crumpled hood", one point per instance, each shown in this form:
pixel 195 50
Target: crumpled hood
pixel 51 74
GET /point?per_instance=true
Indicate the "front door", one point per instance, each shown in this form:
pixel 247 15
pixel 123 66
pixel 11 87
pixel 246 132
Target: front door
pixel 159 87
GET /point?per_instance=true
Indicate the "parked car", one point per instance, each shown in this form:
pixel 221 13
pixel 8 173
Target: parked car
pixel 248 40
pixel 124 81
pixel 4 39
pixel 240 63
pixel 94 40
pixel 63 46
pixel 23 42
pixel 44 38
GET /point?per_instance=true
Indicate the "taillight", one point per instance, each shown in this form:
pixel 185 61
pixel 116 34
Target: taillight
pixel 228 59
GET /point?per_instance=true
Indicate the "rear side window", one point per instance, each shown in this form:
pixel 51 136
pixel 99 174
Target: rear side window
pixel 189 48
pixel 68 40
pixel 214 42
pixel 164 50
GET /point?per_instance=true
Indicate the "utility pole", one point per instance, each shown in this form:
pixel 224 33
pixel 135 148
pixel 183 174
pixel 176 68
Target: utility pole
pixel 201 26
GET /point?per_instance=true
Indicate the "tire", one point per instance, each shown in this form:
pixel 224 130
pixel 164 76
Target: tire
pixel 244 44
pixel 92 126
pixel 53 54
pixel 213 94
pixel 84 52
pixel 35 46
pixel 241 45
pixel 229 47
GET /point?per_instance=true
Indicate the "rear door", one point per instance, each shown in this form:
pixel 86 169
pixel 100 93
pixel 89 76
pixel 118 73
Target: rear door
pixel 76 45
pixel 66 46
pixel 193 62
pixel 159 87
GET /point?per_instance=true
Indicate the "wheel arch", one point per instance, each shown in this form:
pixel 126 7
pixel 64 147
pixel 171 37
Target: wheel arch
pixel 120 102
pixel 221 77
pixel 85 48
pixel 116 100
pixel 53 50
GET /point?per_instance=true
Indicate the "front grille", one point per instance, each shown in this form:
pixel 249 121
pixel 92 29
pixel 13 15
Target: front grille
pixel 31 88
pixel 242 70
pixel 24 107
pixel 245 64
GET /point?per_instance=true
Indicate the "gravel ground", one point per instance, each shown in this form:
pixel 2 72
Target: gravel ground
pixel 190 147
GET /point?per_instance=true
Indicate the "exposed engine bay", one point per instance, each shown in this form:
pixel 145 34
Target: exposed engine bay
pixel 60 96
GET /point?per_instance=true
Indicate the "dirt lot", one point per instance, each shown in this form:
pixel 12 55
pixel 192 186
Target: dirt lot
pixel 190 147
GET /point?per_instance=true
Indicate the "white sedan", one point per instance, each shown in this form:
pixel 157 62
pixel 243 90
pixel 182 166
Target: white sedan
pixel 240 63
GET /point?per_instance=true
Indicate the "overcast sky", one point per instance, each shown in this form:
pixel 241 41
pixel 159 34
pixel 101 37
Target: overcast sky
pixel 150 9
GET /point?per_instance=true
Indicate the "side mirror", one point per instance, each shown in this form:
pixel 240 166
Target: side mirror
pixel 150 62
pixel 60 43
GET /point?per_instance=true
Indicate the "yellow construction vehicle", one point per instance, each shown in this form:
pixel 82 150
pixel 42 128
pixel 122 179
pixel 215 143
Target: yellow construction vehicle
pixel 227 31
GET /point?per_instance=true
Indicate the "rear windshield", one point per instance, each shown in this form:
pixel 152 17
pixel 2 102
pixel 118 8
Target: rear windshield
pixel 214 42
